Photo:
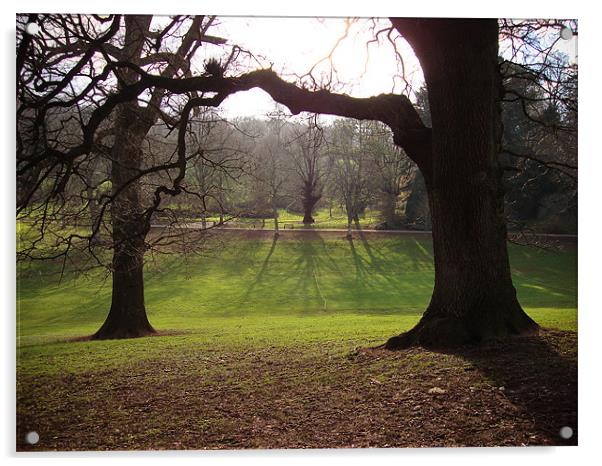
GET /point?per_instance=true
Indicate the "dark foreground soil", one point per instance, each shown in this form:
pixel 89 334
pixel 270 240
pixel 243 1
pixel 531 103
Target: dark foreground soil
pixel 516 393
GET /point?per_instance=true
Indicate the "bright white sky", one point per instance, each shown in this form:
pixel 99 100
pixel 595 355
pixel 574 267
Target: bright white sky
pixel 294 45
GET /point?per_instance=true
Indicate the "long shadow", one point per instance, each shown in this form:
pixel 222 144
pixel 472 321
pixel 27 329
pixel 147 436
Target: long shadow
pixel 373 260
pixel 418 257
pixel 307 266
pixel 361 274
pixel 301 276
pixel 366 268
pixel 228 255
pixel 362 270
pixel 260 275
pixel 536 377
pixel 375 264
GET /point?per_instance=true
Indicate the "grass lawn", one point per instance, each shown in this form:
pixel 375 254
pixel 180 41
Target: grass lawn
pixel 275 331
pixel 292 220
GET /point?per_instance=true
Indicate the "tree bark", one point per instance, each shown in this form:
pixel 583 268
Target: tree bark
pixel 473 298
pixel 127 316
pixel 309 202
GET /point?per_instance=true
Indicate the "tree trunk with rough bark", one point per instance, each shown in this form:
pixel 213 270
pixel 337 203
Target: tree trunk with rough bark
pixel 127 316
pixel 473 298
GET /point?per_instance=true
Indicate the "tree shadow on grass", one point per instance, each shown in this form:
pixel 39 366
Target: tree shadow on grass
pixel 260 275
pixel 370 273
pixel 314 274
pixel 312 258
pixel 403 272
pixel 365 269
pixel 361 269
pixel 538 374
pixel 375 273
pixel 298 280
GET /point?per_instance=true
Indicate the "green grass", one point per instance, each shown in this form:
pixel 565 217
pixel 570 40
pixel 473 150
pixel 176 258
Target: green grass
pixel 258 350
pixel 323 218
pixel 259 293
pixel 292 220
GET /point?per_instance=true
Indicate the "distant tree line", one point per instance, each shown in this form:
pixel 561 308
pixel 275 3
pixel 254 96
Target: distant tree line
pixel 304 164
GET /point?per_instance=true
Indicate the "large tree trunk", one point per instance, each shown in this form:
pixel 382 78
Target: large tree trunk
pixel 127 316
pixel 473 298
pixel 307 215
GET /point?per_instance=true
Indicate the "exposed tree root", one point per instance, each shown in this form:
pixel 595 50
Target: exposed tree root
pixel 448 332
pixel 116 330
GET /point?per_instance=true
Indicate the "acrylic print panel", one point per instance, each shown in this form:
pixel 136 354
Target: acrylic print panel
pixel 366 238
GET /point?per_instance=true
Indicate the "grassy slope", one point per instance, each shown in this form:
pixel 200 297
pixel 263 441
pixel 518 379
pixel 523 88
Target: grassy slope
pixel 252 293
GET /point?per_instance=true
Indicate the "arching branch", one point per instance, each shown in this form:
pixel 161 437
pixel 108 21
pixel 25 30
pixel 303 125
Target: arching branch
pixel 396 111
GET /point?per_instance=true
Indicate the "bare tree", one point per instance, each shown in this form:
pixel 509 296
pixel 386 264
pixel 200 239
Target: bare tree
pixel 351 169
pixel 310 163
pixel 394 170
pixel 539 151
pixel 271 166
pixel 75 105
pixel 221 163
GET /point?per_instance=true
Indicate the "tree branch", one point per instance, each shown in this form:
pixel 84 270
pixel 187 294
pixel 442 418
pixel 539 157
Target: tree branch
pixel 396 111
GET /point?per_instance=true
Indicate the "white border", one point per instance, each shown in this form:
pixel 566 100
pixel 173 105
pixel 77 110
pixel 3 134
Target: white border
pixel 589 227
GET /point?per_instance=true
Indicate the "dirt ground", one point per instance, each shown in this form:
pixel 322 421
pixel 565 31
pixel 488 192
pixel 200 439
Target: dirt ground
pixel 519 392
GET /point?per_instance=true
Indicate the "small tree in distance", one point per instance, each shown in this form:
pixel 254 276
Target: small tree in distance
pixel 352 173
pixel 308 153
